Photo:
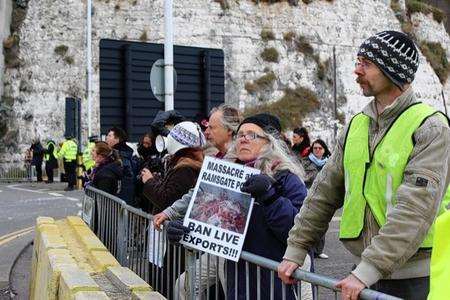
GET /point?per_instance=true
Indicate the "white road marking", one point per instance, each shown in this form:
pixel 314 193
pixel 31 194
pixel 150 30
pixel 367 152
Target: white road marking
pixel 1 191
pixel 79 205
pixel 72 199
pixel 56 194
pixel 15 187
pixel 43 190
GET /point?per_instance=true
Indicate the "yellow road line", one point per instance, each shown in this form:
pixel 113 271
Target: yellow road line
pixel 16 234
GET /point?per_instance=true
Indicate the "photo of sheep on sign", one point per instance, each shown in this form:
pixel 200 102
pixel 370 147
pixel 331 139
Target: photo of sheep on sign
pixel 221 207
pixel 219 213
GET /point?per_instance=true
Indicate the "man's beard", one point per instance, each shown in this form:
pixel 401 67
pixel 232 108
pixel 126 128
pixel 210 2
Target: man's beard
pixel 368 91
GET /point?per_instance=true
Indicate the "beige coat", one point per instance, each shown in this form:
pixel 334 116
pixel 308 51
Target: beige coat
pixel 392 251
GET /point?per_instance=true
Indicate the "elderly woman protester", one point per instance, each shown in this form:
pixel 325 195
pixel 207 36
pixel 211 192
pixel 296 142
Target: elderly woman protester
pixel 278 192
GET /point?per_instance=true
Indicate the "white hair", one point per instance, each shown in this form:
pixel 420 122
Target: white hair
pixel 275 156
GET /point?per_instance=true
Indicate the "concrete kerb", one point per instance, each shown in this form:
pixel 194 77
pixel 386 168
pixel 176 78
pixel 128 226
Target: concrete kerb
pixel 58 273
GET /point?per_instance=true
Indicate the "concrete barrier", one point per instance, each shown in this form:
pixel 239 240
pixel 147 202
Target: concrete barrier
pixel 70 262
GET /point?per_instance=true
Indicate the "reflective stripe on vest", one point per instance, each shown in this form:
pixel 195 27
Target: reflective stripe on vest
pixel 46 155
pixel 375 179
pixel 440 260
pixel 69 150
pixel 88 162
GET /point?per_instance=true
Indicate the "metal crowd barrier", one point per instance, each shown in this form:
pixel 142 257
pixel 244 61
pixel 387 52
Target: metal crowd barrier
pixel 17 174
pixel 129 235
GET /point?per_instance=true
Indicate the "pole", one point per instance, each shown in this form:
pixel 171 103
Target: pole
pixel 89 64
pixel 335 93
pixel 168 55
pixel 443 101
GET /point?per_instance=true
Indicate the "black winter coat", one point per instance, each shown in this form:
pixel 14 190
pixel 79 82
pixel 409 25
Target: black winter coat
pixel 107 178
pixel 38 154
pixel 129 176
pixel 52 162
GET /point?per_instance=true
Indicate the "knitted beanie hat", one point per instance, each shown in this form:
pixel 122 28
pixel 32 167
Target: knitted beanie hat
pixel 269 123
pixel 184 135
pixel 394 53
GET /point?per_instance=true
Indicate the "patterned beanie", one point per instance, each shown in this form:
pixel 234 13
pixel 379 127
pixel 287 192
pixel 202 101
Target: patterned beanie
pixel 394 53
pixel 185 135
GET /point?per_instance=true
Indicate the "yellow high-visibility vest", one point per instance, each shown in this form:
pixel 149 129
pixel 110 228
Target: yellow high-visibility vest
pixel 440 260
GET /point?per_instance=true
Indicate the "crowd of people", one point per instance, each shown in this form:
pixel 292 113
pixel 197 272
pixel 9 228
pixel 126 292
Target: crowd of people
pixel 389 171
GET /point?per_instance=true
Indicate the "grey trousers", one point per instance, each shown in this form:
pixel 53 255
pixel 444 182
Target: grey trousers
pixel 411 288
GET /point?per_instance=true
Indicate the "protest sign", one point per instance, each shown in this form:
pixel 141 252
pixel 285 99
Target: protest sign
pixel 87 209
pixel 156 245
pixel 219 213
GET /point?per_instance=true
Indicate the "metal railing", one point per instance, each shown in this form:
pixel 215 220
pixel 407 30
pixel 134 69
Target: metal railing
pixel 24 174
pixel 18 174
pixel 129 235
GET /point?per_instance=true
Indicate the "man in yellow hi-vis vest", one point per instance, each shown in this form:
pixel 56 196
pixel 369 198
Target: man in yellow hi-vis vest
pixel 68 152
pixel 88 161
pixel 389 172
pixel 440 259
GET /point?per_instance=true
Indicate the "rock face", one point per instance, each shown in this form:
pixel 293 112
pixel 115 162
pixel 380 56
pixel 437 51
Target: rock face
pixel 53 54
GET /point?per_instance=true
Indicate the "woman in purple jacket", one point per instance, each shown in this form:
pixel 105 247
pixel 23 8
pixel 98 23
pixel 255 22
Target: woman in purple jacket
pixel 278 192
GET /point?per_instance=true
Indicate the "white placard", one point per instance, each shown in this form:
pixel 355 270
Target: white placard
pixel 156 245
pixel 219 213
pixel 86 212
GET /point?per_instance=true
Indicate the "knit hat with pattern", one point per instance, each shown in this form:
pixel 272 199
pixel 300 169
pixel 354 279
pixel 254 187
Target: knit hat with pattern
pixel 394 53
pixel 185 135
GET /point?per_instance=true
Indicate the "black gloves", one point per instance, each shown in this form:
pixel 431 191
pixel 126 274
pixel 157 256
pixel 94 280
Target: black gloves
pixel 176 230
pixel 262 188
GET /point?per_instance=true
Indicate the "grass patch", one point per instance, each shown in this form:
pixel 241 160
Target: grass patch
pixel 290 2
pixel 251 87
pixel 437 57
pixel 69 60
pixel 289 36
pixel 291 108
pixel 414 6
pixel 322 67
pixel 61 50
pixel 143 37
pixel 223 4
pixel 18 15
pixel 267 35
pixel 304 46
pixel 270 55
pixel 264 82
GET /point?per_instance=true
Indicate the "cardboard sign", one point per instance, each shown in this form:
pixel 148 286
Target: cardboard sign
pixel 219 213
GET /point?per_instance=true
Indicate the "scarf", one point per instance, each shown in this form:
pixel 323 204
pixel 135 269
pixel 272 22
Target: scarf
pixel 318 162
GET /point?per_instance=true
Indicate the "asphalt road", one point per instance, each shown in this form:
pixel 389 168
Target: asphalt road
pixel 20 205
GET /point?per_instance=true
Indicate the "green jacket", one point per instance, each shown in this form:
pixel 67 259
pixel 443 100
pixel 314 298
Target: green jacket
pixel 391 251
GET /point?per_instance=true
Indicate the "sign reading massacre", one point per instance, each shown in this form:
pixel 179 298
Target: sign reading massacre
pixel 219 212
